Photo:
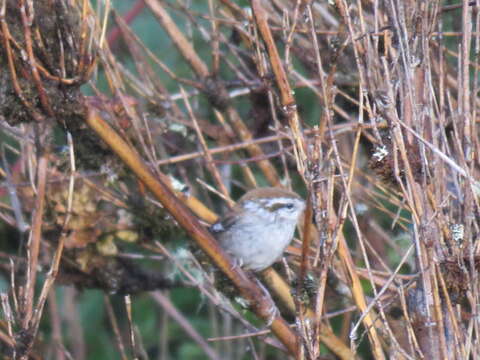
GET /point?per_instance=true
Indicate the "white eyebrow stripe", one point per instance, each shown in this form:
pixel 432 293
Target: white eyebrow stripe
pixel 268 202
pixel 250 205
pixel 272 202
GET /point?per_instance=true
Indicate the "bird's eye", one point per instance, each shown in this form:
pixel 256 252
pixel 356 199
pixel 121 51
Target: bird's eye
pixel 289 206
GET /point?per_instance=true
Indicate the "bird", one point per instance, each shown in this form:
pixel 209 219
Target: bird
pixel 256 231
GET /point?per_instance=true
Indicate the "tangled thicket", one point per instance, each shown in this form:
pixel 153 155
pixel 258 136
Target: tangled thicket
pixel 120 144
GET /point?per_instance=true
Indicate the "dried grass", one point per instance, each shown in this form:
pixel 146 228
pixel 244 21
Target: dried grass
pixel 368 108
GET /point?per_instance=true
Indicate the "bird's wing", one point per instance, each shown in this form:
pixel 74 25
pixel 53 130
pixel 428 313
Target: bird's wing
pixel 224 224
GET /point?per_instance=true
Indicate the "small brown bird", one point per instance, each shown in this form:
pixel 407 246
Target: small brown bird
pixel 259 227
